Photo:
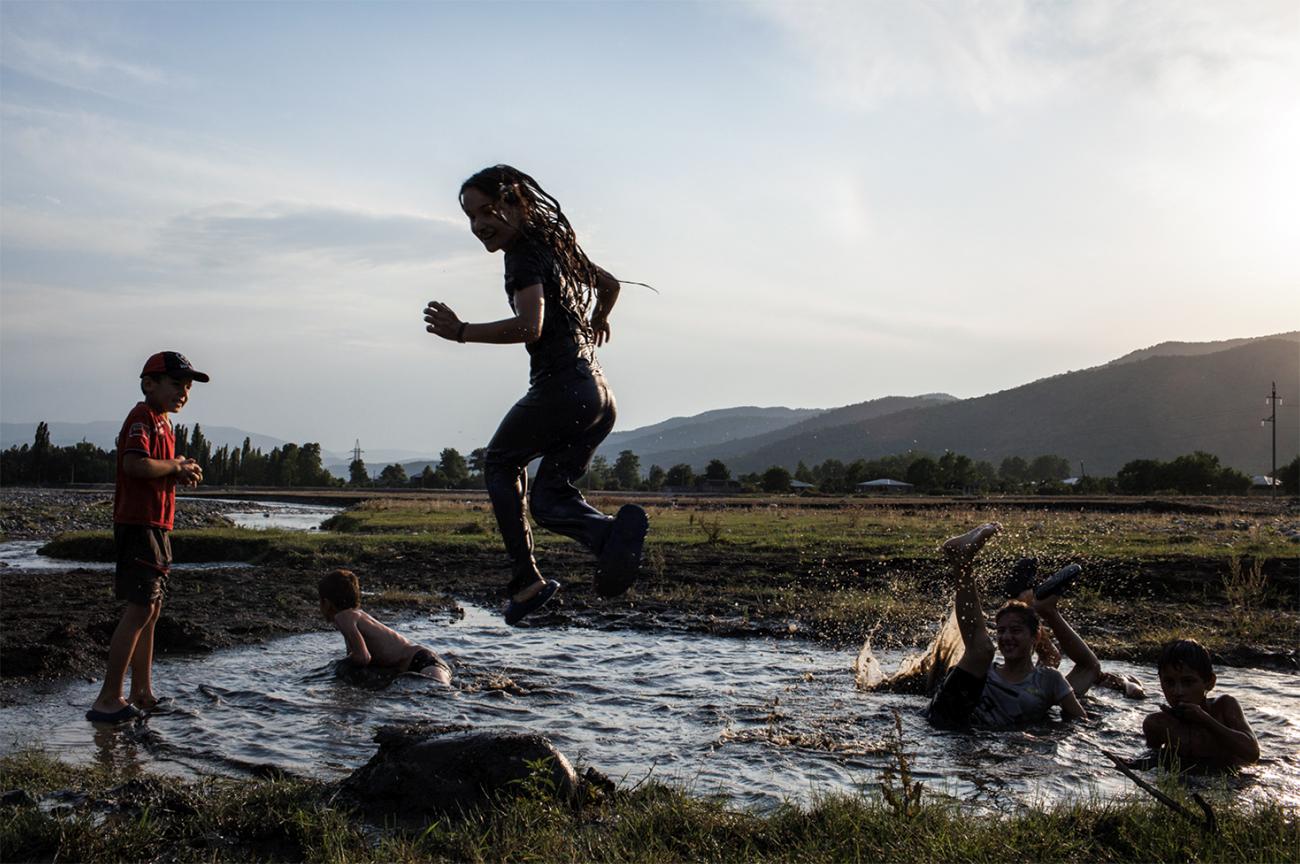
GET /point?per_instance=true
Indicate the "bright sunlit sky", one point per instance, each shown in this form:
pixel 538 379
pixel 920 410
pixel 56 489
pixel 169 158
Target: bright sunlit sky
pixel 837 202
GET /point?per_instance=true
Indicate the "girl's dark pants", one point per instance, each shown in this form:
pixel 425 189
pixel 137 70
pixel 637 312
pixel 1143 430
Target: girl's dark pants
pixel 562 420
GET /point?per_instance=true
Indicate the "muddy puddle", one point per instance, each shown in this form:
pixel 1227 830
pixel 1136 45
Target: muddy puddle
pixel 25 554
pixel 759 720
pixel 275 514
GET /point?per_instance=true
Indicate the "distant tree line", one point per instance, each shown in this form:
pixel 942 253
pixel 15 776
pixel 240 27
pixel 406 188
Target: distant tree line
pixel 454 471
pixel 1196 473
pixel 43 464
pixel 1199 473
pixel 952 473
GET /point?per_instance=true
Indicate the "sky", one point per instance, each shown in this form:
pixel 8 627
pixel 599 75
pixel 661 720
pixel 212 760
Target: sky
pixel 835 201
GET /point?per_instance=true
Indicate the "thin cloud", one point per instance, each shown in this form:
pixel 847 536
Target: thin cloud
pixel 234 234
pixel 74 62
pixel 1194 57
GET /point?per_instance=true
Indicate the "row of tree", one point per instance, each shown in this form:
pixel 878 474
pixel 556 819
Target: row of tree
pixel 42 463
pixel 951 472
pixel 1196 473
pixel 454 471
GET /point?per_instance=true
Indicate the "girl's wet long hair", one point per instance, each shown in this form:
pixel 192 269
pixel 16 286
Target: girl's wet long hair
pixel 544 223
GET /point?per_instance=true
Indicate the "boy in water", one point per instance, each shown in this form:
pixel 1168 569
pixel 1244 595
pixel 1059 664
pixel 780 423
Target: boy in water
pixel 1196 728
pixel 144 509
pixel 369 642
pixel 997 695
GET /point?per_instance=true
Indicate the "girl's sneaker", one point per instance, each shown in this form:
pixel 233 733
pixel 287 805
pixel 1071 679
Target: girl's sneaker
pixel 1024 575
pixel 620 559
pixel 1057 582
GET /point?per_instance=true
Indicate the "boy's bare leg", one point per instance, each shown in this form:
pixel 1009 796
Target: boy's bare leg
pixel 1087 668
pixel 142 663
pixel 960 552
pixel 120 651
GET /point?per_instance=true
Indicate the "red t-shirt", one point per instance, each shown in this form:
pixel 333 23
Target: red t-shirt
pixel 138 501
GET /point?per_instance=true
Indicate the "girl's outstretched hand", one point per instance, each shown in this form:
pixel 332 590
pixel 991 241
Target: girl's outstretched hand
pixel 440 320
pixel 600 327
pixel 607 289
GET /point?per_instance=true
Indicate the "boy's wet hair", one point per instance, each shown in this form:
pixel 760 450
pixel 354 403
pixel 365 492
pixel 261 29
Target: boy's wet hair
pixel 546 224
pixel 1026 613
pixel 341 589
pixel 1187 653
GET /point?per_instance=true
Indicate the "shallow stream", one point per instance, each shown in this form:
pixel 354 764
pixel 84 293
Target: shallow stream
pixel 756 719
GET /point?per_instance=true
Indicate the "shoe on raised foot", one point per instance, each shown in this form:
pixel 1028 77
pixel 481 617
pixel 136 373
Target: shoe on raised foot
pixel 1057 582
pixel 1024 575
pixel 620 559
pixel 517 609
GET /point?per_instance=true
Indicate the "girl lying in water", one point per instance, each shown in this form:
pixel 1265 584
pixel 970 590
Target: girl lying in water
pixel 979 691
pixel 922 673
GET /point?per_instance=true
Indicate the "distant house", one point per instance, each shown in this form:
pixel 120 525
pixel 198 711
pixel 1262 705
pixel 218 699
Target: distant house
pixel 800 486
pixel 885 485
pixel 1071 481
pixel 718 486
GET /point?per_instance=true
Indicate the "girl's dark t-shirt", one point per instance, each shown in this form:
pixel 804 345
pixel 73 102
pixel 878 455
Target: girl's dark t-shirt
pixel 565 346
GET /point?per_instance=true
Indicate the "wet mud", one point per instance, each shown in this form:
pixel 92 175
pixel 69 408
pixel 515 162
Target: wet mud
pixel 58 624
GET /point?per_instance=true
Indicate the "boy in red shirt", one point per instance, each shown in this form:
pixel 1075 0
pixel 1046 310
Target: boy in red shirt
pixel 144 507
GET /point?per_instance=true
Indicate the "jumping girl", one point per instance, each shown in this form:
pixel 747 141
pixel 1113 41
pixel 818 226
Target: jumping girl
pixel 569 409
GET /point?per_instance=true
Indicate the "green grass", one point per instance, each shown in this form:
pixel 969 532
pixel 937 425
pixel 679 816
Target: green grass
pixel 852 531
pixel 836 573
pixel 271 546
pixel 878 531
pixel 156 819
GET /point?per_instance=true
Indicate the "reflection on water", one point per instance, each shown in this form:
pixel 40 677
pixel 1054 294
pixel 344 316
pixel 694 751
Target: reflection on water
pixel 760 720
pixel 24 555
pixel 275 514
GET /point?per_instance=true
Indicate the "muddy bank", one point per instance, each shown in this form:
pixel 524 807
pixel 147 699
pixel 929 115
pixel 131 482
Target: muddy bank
pixel 40 514
pixel 57 624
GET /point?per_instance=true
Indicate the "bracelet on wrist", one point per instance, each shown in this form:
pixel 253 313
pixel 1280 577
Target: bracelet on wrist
pixel 460 334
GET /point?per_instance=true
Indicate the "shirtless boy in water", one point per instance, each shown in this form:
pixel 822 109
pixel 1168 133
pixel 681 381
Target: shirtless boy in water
pixel 1197 727
pixel 369 642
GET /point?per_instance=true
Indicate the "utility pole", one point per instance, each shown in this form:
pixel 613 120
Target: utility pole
pixel 1272 400
pixel 357 451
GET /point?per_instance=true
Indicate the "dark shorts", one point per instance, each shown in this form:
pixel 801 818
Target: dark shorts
pixel 956 700
pixel 424 658
pixel 144 556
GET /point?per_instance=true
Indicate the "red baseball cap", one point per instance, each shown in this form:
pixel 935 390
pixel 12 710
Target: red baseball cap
pixel 172 363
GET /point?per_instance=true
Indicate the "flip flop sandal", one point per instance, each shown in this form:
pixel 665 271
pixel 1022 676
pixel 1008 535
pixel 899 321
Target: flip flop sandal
pixel 121 715
pixel 620 559
pixel 516 610
pixel 1058 582
pixel 164 705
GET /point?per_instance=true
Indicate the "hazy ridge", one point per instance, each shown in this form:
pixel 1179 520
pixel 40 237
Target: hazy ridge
pixel 1157 402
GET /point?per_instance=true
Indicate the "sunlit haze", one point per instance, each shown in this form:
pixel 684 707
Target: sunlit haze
pixel 835 201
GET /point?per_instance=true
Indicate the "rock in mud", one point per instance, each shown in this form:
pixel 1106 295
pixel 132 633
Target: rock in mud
pixel 424 771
